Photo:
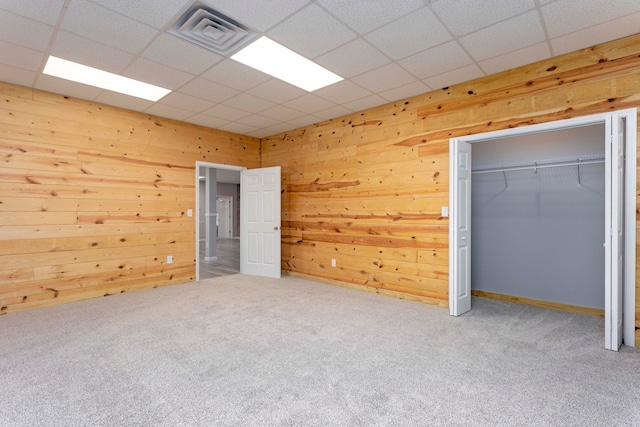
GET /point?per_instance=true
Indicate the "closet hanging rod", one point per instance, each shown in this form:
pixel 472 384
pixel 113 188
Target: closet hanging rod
pixel 536 166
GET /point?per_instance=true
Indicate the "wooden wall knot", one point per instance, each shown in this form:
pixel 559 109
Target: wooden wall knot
pixel 368 123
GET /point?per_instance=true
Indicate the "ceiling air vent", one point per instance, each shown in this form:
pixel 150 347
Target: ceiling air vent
pixel 212 30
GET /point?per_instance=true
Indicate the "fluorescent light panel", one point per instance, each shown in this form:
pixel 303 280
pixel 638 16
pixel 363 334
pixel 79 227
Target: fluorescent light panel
pixel 73 71
pixel 280 62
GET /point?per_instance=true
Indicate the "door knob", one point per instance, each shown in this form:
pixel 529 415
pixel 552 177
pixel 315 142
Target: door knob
pixel 275 228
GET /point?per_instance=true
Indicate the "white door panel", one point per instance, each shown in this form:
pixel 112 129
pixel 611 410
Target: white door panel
pixel 460 230
pixel 260 222
pixel 614 233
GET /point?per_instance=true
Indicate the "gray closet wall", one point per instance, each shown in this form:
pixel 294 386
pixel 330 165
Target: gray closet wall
pixel 542 237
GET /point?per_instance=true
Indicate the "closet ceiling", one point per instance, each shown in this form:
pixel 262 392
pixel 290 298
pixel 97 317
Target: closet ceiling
pixel 385 49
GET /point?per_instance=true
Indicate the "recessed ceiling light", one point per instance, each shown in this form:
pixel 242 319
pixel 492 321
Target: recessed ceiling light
pixel 280 62
pixel 73 71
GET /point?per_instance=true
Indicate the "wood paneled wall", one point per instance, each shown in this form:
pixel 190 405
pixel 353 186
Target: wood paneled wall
pixel 94 198
pixel 367 189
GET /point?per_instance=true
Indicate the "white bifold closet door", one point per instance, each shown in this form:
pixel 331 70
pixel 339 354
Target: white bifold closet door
pixel 614 234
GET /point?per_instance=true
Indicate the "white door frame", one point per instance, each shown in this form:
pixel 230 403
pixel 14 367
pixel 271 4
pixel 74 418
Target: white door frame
pixel 200 164
pixel 630 117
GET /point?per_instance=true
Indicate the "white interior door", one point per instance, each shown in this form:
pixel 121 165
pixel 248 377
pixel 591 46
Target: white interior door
pixel 460 232
pixel 223 205
pixel 260 222
pixel 614 232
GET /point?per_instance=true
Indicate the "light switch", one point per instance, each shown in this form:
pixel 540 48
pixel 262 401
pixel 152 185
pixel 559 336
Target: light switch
pixel 445 212
pixel 189 212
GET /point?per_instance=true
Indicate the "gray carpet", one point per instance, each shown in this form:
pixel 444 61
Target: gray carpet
pixel 246 351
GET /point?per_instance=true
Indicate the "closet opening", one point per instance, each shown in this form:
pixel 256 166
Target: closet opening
pixel 538 215
pixel 536 196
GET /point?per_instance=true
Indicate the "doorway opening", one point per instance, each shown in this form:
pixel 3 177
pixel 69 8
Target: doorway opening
pixel 218 220
pixel 538 214
pixel 619 245
pixel 258 210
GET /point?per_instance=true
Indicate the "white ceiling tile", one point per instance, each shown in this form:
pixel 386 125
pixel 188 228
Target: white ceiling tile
pixel 410 34
pixel 437 60
pixel 157 74
pixel 240 128
pixel 169 112
pixel 66 87
pixel 259 18
pixel 366 15
pixel 344 91
pixel 186 102
pixel 322 32
pixel 221 111
pixel 365 103
pixel 18 76
pixel 123 101
pixel 24 32
pixel 105 26
pixel 207 121
pixel 406 91
pixel 281 127
pixel 249 103
pixel 236 75
pixel 517 58
pixel 353 58
pixel 259 121
pixel 384 78
pixel 450 78
pixel 206 89
pixel 157 13
pixel 20 56
pixel 181 54
pixel 611 30
pixel 305 121
pixel 333 112
pixel 72 47
pixel 516 33
pixel 277 91
pixel 564 16
pixel 47 11
pixel 309 104
pixel 282 113
pixel 260 133
pixel 471 15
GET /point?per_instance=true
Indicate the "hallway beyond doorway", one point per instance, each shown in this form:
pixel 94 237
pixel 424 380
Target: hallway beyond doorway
pixel 228 261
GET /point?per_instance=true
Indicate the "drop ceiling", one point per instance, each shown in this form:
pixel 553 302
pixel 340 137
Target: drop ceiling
pixel 385 50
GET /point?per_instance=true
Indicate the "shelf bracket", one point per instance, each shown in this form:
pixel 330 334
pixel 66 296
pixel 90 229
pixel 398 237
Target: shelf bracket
pixel 578 164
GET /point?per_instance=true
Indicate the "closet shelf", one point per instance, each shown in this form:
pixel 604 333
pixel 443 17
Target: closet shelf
pixel 576 161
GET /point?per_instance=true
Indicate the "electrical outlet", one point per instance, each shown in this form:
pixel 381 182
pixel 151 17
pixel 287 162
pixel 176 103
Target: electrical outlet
pixel 169 259
pixel 445 212
pixel 189 212
pixel 333 262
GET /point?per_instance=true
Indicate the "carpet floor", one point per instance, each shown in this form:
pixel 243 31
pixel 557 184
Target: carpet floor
pixel 247 351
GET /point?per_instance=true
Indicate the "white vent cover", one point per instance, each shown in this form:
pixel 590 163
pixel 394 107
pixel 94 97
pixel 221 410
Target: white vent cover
pixel 212 30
